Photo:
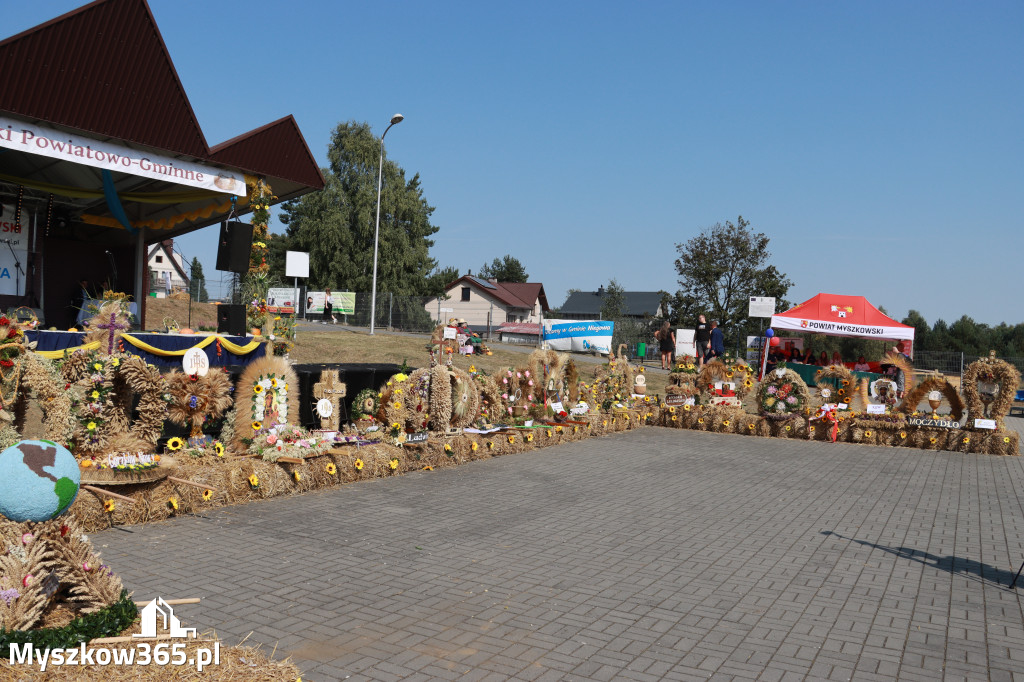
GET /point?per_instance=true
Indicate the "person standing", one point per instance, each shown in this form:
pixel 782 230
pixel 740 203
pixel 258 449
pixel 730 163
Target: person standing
pixel 328 306
pixel 702 340
pixel 666 339
pixel 717 341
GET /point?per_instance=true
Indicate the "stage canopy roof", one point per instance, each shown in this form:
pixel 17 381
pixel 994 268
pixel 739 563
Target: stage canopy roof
pixel 838 315
pixel 92 112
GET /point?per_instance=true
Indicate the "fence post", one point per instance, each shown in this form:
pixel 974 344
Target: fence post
pixel 391 305
pixel 961 371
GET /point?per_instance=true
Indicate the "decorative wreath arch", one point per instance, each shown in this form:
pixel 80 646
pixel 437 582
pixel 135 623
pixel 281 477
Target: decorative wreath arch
pixel 739 374
pixel 938 383
pixel 995 371
pixel 782 394
pixel 103 389
pixel 845 392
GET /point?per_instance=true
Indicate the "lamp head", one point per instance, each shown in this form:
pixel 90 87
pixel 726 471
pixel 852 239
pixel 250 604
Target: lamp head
pixel 397 118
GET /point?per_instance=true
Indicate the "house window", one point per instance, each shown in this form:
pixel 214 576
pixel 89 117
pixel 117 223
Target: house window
pixel 159 259
pixel 465 293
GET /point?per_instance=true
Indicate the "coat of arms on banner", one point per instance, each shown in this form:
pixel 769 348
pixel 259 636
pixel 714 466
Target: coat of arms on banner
pixel 842 310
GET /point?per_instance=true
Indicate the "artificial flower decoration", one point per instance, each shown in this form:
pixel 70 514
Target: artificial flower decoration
pixel 91 426
pixel 115 362
pixel 529 438
pixel 257 389
pixel 359 465
pixel 393 463
pixel 254 480
pixel 788 427
pixel 932 440
pixel 297 476
pixel 725 423
pixel 175 443
pixel 750 426
pixel 98 366
pixel 967 439
pixel 218 447
pixel 273 383
pixel 109 506
pixel 674 417
pixel 511 439
pixel 173 503
pixel 474 446
pixel 256 426
pixel 903 434
pixel 331 469
pixel 95 395
pixel 1006 439
pixel 428 468
pixel 207 495
pixel 490 445
pixel 687 407
pixel 447 447
pixel 397 405
pixel 700 420
pixel 867 434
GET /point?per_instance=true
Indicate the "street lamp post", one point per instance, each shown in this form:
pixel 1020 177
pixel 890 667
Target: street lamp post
pixel 397 118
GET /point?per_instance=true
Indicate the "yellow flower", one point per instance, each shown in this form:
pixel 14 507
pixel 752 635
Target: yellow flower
pixel 674 417
pixel 398 391
pixel 256 426
pixel 867 434
pixel 575 429
pixel 967 439
pixel 218 447
pixel 511 439
pixel 428 468
pixel 672 410
pixel 932 440
pixel 604 422
pixel 750 426
pixel 297 475
pixel 273 383
pixel 399 378
pixel 529 438
pixel 728 375
pixel 393 463
pixel 98 366
pixel 788 427
pixel 725 423
pixel 175 443
pixel 396 425
pixel 687 407
pixel 95 395
pixel 257 389
pixel 91 426
pixel 472 368
pixel 558 429
pixel 331 469
pixel 447 447
pixel 173 503
pixel 811 429
pixel 748 383
pixel 490 445
pixel 115 361
pixel 647 398
pixel 1006 439
pixel 207 495
pixel 474 446
pixel 700 420
pixel 254 480
pixel 359 465
pixel 903 434
pixel 109 506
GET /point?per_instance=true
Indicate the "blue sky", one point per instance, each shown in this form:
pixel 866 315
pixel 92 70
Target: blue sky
pixel 878 144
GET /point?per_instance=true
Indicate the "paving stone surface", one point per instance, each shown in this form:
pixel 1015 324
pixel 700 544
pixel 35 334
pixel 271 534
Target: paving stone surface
pixel 648 555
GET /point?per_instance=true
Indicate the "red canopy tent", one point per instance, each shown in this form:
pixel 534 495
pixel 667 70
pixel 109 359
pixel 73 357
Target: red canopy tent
pixel 837 315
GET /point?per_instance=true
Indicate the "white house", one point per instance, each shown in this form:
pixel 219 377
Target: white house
pixel 487 304
pixel 166 269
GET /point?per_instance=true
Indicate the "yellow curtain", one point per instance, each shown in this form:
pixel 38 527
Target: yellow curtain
pixel 142 345
pixel 58 354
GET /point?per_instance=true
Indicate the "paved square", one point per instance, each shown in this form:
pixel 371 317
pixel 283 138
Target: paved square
pixel 653 554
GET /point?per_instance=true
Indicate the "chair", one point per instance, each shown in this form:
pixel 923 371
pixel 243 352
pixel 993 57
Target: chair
pixel 1017 409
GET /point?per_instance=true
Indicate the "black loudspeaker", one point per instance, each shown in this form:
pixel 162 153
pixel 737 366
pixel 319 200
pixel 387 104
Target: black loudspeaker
pixel 231 319
pixel 234 247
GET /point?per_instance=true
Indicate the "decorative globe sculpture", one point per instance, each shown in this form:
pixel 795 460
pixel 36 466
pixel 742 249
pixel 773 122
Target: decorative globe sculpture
pixel 38 480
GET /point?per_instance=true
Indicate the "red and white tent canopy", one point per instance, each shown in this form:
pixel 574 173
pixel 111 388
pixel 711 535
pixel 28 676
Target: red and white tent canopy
pixel 838 315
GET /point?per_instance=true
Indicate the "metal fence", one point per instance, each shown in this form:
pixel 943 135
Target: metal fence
pixel 953 363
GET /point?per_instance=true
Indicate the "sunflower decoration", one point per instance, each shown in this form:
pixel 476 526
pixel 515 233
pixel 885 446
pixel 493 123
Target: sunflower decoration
pixel 172 502
pixel 529 438
pixel 427 467
pixel 511 439
pixel 109 506
pixel 358 464
pixel 257 389
pixel 490 445
pixel 331 469
pixel 175 443
pixel 724 384
pixel 218 448
pixel 447 447
pixel 393 463
pixel 835 384
pixel 207 495
pixel 254 480
pixel 297 476
pixel 474 446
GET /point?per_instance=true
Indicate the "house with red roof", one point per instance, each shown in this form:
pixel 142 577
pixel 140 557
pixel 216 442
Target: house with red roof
pixel 487 304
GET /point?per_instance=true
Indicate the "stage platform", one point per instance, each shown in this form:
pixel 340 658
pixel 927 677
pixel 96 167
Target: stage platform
pixel 162 350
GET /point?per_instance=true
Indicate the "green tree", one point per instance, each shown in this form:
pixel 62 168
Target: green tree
pixel 922 330
pixel 613 302
pixel 197 282
pixel 721 268
pixel 336 225
pixel 439 279
pixel 505 269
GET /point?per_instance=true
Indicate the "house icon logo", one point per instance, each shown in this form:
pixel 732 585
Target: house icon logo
pixel 159 607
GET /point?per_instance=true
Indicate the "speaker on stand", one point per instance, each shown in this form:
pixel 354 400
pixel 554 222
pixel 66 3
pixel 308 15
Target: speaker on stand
pixel 231 319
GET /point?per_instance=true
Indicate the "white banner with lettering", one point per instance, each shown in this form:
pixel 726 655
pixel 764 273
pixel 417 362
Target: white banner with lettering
pixel 37 139
pixel 12 282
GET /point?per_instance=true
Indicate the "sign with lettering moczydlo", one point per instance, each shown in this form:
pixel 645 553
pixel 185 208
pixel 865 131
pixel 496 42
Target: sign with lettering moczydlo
pixel 940 423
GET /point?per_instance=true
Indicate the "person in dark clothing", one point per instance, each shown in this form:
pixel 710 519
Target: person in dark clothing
pixel 702 340
pixel 717 341
pixel 328 305
pixel 666 339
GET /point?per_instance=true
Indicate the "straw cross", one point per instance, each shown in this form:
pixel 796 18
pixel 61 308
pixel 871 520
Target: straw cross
pixel 112 328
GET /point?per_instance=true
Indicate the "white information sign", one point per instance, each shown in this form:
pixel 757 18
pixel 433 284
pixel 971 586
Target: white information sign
pixel 985 423
pixel 296 264
pixel 195 361
pixel 33 138
pixel 761 306
pixel 556 407
pixel 449 332
pixel 876 409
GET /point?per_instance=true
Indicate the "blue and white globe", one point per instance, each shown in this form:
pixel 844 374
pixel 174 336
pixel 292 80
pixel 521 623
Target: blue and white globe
pixel 38 480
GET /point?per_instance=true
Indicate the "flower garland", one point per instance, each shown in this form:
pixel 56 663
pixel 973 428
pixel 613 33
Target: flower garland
pixel 782 394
